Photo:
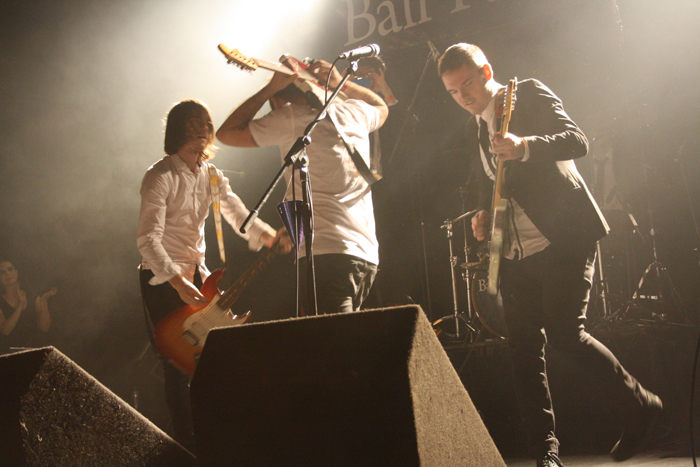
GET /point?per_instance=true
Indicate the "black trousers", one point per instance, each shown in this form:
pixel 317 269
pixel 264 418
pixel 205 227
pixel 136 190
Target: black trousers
pixel 342 282
pixel 545 297
pixel 159 301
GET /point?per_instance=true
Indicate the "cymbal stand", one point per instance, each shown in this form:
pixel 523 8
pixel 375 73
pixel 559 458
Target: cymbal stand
pixel 602 282
pixel 454 260
pixel 614 315
pixel 661 274
pixel 659 270
pixel 464 196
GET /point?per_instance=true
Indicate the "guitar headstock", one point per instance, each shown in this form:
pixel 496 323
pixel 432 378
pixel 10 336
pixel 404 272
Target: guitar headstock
pixel 509 103
pixel 234 57
pixel 505 101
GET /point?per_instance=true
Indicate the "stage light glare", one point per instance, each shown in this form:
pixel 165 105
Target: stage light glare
pixel 254 27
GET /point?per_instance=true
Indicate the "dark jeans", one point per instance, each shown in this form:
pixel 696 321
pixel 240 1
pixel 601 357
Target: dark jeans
pixel 545 297
pixel 342 282
pixel 159 301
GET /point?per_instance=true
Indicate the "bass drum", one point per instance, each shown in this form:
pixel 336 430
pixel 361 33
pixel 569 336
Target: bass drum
pixel 488 308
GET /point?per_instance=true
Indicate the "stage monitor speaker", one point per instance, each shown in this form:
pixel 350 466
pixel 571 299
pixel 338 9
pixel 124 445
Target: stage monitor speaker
pixel 371 388
pixel 52 413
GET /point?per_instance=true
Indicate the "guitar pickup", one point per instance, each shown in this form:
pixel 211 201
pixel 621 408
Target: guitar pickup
pixel 190 338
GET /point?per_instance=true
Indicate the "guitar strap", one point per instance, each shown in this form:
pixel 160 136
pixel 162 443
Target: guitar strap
pixel 375 153
pixel 216 206
pixel 370 176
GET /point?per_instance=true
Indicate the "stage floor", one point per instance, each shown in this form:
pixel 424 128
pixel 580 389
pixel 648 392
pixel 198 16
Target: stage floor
pixel 642 460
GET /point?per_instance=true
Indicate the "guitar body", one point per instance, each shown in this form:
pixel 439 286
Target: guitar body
pixel 182 333
pixel 496 246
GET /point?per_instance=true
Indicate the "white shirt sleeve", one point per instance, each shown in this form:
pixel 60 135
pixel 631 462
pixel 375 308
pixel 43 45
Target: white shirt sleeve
pixel 235 213
pixel 275 128
pixel 154 192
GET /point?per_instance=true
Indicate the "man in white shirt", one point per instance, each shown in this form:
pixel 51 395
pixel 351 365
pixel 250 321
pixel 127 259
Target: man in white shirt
pixel 345 243
pixel 175 200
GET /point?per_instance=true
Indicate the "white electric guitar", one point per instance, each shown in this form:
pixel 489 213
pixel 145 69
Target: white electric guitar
pixel 499 204
pixel 307 82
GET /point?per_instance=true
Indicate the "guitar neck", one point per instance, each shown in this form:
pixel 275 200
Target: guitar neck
pixel 498 186
pixel 276 66
pixel 498 183
pixel 231 295
pixel 314 91
pixel 505 121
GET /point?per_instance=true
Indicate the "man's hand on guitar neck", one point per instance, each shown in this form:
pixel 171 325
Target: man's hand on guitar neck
pixel 187 291
pixel 320 69
pixel 480 224
pixel 281 240
pixel 508 147
pixel 280 81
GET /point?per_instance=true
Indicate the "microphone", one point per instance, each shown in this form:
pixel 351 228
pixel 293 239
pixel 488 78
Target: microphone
pixel 361 52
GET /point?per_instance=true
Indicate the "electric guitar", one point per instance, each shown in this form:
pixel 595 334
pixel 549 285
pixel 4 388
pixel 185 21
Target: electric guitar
pixel 182 333
pixel 307 82
pixel 499 204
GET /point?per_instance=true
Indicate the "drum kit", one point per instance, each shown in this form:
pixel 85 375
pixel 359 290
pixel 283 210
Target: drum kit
pixel 653 298
pixel 483 322
pixel 616 297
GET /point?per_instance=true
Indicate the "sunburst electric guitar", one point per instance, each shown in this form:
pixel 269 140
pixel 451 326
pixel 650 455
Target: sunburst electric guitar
pixel 182 333
pixel 307 82
pixel 499 204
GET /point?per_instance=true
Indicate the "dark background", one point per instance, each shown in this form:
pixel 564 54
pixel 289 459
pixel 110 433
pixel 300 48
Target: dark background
pixel 86 84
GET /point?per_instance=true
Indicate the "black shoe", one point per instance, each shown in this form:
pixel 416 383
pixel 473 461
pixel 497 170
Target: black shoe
pixel 550 460
pixel 638 428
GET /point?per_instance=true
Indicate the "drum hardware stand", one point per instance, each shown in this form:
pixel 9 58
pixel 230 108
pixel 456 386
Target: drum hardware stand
pixel 463 194
pixel 609 315
pixel 681 156
pixel 602 293
pixel 600 285
pixel 456 316
pixel 659 270
pixel 660 273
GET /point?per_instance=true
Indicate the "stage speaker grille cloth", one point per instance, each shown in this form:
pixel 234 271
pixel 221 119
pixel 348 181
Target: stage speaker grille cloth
pixel 53 413
pixel 371 388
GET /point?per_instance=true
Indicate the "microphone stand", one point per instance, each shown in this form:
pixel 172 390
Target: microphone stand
pixel 297 158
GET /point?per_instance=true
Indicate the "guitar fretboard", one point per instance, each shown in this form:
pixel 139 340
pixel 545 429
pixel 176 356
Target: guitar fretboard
pixel 231 295
pixel 276 66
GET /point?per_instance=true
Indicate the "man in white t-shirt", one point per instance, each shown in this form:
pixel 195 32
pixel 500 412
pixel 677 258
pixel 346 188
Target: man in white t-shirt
pixel 345 243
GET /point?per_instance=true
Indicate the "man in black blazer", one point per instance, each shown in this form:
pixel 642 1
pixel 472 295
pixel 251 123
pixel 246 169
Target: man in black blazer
pixel 552 225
